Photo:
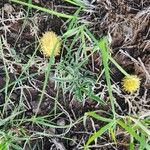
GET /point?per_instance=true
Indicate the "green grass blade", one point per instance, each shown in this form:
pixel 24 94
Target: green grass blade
pixel 98 133
pixel 129 129
pixel 103 45
pixel 132 132
pixel 3 121
pixel 118 66
pixel 52 12
pixel 137 122
pixel 131 143
pixel 98 117
pixel 16 147
pixel 75 3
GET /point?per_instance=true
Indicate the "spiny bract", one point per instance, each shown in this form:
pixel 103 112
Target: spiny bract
pixel 49 42
pixel 131 83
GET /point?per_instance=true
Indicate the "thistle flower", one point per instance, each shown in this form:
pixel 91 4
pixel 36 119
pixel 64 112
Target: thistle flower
pixel 50 42
pixel 131 83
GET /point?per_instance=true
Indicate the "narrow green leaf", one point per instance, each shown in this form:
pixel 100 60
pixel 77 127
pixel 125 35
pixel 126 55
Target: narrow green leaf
pixel 16 147
pixel 52 12
pixel 131 142
pixel 133 133
pixel 129 129
pixel 98 117
pixel 98 133
pixel 71 32
pixel 103 45
pixel 137 122
pixel 3 121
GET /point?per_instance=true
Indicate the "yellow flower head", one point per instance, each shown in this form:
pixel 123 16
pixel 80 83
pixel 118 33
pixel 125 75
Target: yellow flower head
pixel 131 83
pixel 50 42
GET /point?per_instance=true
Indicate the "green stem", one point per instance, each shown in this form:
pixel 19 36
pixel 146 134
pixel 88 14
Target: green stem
pixel 43 9
pixel 103 45
pixel 118 66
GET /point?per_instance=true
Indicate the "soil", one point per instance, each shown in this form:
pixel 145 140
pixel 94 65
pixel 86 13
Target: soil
pixel 128 24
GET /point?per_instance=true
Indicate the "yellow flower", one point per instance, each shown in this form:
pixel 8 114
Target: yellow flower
pixel 131 83
pixel 50 42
